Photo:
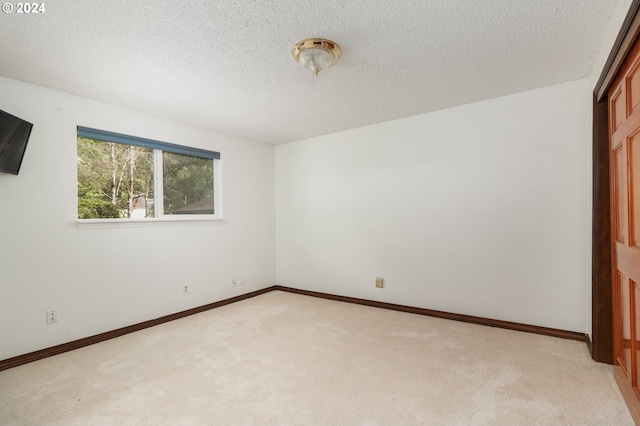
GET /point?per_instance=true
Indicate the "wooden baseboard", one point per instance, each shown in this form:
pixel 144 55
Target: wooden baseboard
pixel 563 334
pixel 590 347
pixel 77 344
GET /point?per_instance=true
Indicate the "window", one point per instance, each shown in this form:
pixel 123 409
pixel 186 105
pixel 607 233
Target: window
pixel 125 177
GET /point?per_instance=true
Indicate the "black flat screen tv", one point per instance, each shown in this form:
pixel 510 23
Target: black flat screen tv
pixel 14 135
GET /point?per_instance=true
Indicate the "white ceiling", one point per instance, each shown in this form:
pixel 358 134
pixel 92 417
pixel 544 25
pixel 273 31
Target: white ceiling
pixel 227 64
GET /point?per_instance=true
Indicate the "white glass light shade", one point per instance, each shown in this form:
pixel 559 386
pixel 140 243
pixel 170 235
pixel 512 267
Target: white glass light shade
pixel 316 59
pixel 316 54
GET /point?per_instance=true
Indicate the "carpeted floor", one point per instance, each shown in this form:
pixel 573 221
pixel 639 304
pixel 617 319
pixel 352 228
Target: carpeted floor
pixel 287 359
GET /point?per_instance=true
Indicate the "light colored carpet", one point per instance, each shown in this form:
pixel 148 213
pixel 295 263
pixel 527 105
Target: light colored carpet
pixel 288 359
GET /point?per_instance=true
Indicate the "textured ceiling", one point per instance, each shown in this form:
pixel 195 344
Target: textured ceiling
pixel 227 64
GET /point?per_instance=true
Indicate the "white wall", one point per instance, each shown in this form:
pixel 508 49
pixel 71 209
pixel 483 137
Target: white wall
pixel 483 209
pixel 103 279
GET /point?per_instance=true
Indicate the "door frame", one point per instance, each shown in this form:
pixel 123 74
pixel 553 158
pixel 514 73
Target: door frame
pixel 601 346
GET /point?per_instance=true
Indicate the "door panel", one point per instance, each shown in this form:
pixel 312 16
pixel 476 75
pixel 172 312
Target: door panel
pixel 625 324
pixel 618 111
pixel 619 193
pixel 633 86
pixel 635 297
pixel 634 190
pixel 624 148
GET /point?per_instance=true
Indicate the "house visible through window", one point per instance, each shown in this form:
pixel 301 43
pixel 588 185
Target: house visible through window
pixel 126 177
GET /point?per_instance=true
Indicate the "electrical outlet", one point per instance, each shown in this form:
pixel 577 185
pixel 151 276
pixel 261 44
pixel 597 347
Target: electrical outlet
pixel 235 282
pixel 186 289
pixel 52 316
pixel 379 282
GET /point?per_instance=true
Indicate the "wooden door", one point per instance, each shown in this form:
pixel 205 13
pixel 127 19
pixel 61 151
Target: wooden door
pixel 624 144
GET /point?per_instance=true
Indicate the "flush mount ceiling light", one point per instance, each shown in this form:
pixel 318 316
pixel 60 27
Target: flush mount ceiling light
pixel 316 54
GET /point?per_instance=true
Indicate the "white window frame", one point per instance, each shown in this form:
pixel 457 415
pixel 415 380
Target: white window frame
pixel 158 149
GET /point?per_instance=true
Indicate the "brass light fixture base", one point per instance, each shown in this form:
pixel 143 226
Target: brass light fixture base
pixel 317 54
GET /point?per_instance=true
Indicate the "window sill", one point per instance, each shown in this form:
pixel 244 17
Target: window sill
pixel 132 223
